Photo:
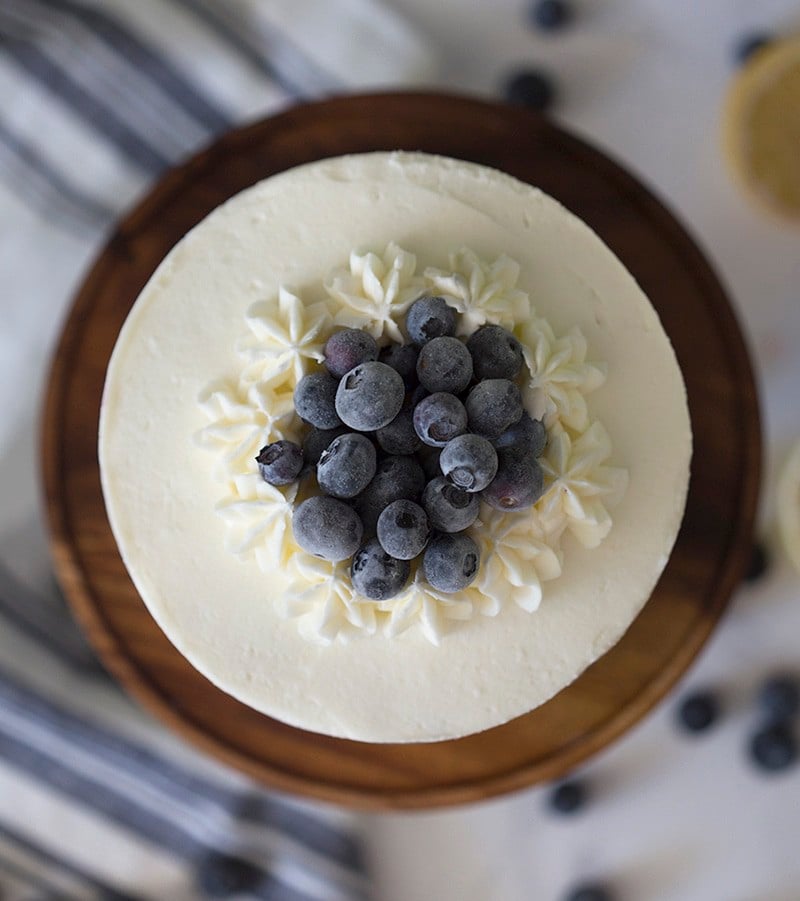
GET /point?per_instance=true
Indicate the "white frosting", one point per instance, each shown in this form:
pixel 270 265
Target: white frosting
pixel 225 613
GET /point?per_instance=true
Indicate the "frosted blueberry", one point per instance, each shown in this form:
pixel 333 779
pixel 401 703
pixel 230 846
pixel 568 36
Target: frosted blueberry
pixel 469 462
pixel 326 527
pixel 315 400
pixel 403 529
pixel 347 465
pixel 444 364
pixel 375 574
pixel 449 508
pixel 451 562
pixel 369 396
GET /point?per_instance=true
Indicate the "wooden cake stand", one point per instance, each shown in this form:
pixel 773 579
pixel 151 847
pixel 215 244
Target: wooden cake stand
pixel 710 555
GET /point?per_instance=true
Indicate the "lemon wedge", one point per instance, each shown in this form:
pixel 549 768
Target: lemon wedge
pixel 789 505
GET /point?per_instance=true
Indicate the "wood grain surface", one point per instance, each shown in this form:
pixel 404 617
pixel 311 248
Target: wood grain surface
pixel 712 548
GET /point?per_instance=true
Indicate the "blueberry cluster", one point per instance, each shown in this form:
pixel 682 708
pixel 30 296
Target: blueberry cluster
pixel 405 441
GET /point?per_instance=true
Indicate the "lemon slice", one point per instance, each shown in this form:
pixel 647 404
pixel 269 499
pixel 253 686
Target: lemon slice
pixel 761 126
pixel 789 505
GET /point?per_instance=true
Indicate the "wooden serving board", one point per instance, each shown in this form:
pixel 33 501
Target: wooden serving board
pixel 712 548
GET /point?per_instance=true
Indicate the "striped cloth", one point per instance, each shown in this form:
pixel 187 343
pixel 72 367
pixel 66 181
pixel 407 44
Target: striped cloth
pixel 96 100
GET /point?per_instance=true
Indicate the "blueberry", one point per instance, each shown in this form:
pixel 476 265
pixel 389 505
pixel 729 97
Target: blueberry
pixel 449 508
pixel 400 437
pixel 369 396
pixel 519 482
pixel 551 15
pixel 375 574
pixel 779 696
pixel 469 462
pixel 317 440
pixel 418 394
pixel 221 875
pixel 589 891
pixel 698 711
pixel 347 465
pixel 326 527
pixel 451 562
pixel 403 529
pixel 315 400
pixel 439 418
pixel 493 406
pixel 749 44
pixel 528 435
pixel 532 88
pixel 773 747
pixel 444 364
pixel 396 478
pixel 569 797
pixel 403 359
pixel 430 317
pixel 347 349
pixel 496 353
pixel 280 462
pixel 759 563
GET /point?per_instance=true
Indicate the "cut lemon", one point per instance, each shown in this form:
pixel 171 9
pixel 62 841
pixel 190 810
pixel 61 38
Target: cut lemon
pixel 789 505
pixel 761 126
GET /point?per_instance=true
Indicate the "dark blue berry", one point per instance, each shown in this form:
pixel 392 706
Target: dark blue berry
pixel 369 396
pixel 327 527
pixel 403 530
pixel 759 563
pixel 532 88
pixel 451 562
pixel 440 417
pixel 400 436
pixel 347 465
pixel 589 891
pixel 221 875
pixel 469 462
pixel 496 353
pixel 396 478
pixel 568 797
pixel 779 696
pixel 347 349
pixel 375 574
pixel 280 462
pixel 519 482
pixel 403 359
pixel 749 44
pixel 449 508
pixel 527 435
pixel 774 747
pixel 315 400
pixel 551 15
pixel 444 364
pixel 493 406
pixel 430 317
pixel 317 440
pixel 698 711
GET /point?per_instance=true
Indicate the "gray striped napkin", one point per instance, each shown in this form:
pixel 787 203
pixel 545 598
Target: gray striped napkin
pixel 96 99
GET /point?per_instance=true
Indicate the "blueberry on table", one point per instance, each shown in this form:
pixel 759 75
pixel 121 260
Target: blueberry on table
pixel 369 396
pixel 347 465
pixel 449 509
pixel 375 574
pixel 568 797
pixel 403 359
pixel 496 353
pixel 430 317
pixel 527 435
pixel 759 563
pixel 400 436
pixel 469 462
pixel 750 43
pixel 519 482
pixel 532 88
pixel 698 711
pixel 403 529
pixel 396 478
pixel 317 440
pixel 444 364
pixel 327 528
pixel 451 562
pixel 315 400
pixel 493 406
pixel 439 417
pixel 774 747
pixel 551 15
pixel 280 462
pixel 590 891
pixel 779 696
pixel 347 349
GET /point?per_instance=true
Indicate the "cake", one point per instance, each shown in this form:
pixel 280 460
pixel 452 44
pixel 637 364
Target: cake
pixel 204 375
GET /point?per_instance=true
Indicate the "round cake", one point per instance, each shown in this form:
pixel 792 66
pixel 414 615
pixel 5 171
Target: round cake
pixel 225 356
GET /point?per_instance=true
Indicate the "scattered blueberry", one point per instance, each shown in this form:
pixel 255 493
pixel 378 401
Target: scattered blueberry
pixel 698 711
pixel 449 508
pixel 496 353
pixel 280 462
pixel 375 574
pixel 773 747
pixel 370 396
pixel 220 875
pixel 347 465
pixel 589 891
pixel 759 563
pixel 469 462
pixel 532 88
pixel 779 697
pixel 451 562
pixel 403 359
pixel 528 434
pixel 430 317
pixel 400 437
pixel 493 406
pixel 396 478
pixel 327 527
pixel 315 400
pixel 749 44
pixel 519 482
pixel 317 440
pixel 347 349
pixel 568 797
pixel 444 364
pixel 551 15
pixel 403 529
pixel 440 417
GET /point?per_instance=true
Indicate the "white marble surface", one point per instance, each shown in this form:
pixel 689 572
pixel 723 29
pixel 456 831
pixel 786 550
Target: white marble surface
pixel 673 818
